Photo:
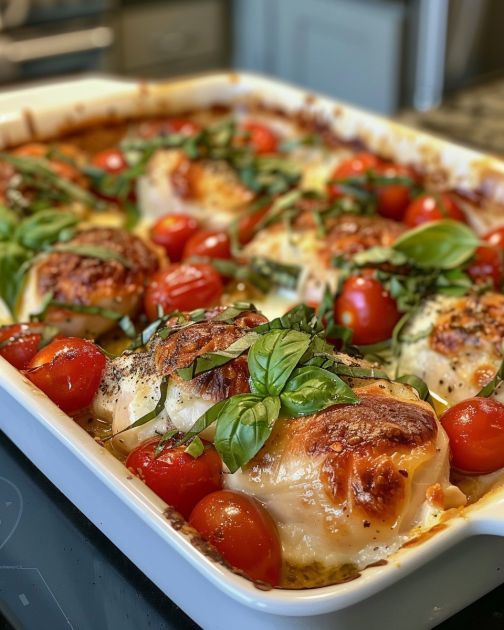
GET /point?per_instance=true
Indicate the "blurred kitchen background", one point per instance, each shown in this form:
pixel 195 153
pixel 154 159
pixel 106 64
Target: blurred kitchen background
pixel 391 56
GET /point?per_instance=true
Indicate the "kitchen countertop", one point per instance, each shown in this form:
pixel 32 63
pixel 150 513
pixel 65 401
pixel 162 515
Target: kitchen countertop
pixel 474 117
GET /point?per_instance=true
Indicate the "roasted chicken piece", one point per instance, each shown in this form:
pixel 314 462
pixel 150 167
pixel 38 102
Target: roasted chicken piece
pixel 114 283
pixel 207 189
pixel 455 344
pixel 131 383
pixel 345 235
pixel 347 485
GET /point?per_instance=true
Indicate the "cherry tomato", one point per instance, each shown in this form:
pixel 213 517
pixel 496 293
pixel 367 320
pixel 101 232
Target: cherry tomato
pixel 496 237
pixel 367 309
pixel 475 428
pixel 208 244
pixel 354 166
pixel 248 223
pixel 261 138
pixel 430 207
pixel 393 199
pixel 182 286
pixel 69 371
pixel 488 264
pixel 110 160
pixel 19 343
pixel 172 231
pixel 242 531
pixel 177 477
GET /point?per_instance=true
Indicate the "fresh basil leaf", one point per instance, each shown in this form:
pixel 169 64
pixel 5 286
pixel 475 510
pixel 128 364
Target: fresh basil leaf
pixel 8 222
pixel 490 387
pixel 310 389
pixel 12 264
pixel 93 251
pixel 147 333
pixel 236 309
pixel 44 228
pixel 273 357
pixel 441 244
pixel 243 426
pixel 301 318
pixel 127 326
pixel 417 383
pixel 195 448
pixel 166 437
pixel 211 360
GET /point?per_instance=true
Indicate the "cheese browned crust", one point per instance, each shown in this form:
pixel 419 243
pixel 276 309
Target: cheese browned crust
pixel 84 280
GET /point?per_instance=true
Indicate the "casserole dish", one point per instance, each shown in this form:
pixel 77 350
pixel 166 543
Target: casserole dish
pixel 104 490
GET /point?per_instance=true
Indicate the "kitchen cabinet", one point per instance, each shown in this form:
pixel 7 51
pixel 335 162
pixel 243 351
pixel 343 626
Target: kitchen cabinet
pixel 349 49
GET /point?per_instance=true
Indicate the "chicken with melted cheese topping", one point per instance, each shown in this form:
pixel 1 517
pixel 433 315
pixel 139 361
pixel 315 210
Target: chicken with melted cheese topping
pixel 115 283
pixel 455 344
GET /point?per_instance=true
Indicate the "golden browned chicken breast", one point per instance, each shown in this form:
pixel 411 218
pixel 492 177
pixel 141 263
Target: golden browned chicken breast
pixel 81 279
pixel 346 234
pixel 347 485
pixel 130 385
pixel 456 344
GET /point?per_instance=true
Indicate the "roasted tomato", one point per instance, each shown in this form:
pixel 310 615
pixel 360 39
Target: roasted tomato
pixel 431 207
pixel 357 165
pixel 172 231
pixel 68 371
pixel 182 286
pixel 110 160
pixel 208 244
pixel 19 343
pixel 367 309
pixel 393 199
pixel 488 265
pixel 243 532
pixel 177 477
pixel 495 237
pixel 261 137
pixel 475 428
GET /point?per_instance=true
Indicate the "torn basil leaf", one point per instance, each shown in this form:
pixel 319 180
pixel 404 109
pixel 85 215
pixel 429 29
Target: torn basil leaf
pixel 490 387
pixel 243 426
pixel 272 359
pixel 310 389
pixel 12 263
pixel 93 251
pixel 44 228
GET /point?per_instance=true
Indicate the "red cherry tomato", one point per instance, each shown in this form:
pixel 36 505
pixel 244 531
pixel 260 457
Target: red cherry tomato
pixel 182 286
pixel 68 371
pixel 248 223
pixel 393 199
pixel 496 237
pixel 475 428
pixel 367 309
pixel 261 138
pixel 177 477
pixel 242 531
pixel 110 160
pixel 354 166
pixel 208 244
pixel 488 264
pixel 430 207
pixel 19 343
pixel 172 231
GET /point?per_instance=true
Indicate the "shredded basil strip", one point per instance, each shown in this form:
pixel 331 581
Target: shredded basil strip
pixel 195 448
pixel 93 251
pixel 417 383
pixel 490 387
pixel 151 415
pixel 211 360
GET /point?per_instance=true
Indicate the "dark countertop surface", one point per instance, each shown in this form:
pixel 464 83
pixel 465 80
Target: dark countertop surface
pixel 474 117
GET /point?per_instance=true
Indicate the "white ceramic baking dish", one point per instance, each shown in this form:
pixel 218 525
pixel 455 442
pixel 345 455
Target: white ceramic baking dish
pixel 420 585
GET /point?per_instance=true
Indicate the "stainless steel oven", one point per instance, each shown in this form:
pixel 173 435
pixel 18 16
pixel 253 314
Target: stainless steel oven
pixel 41 38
